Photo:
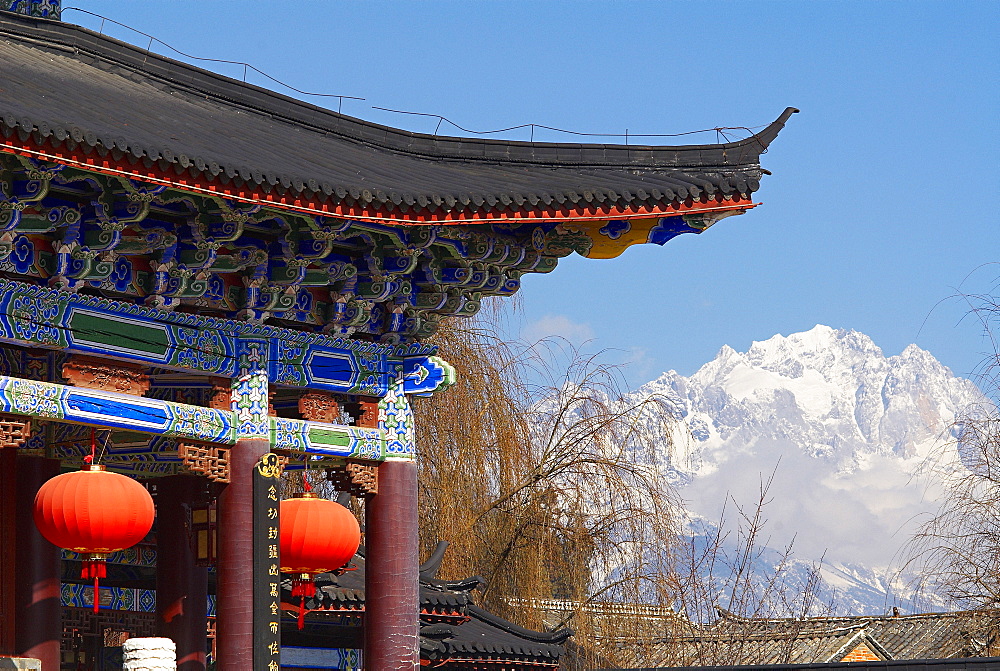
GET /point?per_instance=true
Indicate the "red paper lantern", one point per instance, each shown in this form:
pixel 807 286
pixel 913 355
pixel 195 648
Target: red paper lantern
pixel 316 536
pixel 93 512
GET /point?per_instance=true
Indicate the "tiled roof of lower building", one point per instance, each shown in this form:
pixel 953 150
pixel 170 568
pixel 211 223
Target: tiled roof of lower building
pixel 917 636
pixel 453 629
pixel 737 640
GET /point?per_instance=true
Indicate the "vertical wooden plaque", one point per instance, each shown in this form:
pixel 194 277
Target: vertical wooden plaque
pixel 266 565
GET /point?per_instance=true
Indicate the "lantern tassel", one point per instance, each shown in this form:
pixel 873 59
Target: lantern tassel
pixel 303 587
pixel 94 567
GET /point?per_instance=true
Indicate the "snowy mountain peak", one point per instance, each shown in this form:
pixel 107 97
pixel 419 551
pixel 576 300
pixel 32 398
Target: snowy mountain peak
pixel 828 392
pixel 842 427
pixel 820 348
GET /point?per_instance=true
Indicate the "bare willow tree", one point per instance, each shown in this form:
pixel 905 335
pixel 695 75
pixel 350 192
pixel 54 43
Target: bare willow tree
pixel 544 483
pixel 957 551
pixel 727 572
pixel 549 482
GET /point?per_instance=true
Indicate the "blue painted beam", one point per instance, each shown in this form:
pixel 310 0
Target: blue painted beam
pixel 36 316
pixel 345 659
pixel 110 410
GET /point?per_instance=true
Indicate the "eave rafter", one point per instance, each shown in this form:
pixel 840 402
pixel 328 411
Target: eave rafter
pixel 601 205
pixel 171 249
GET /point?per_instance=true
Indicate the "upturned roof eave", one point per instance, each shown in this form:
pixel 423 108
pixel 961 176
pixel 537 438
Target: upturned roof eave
pixel 478 180
pixel 315 204
pixel 51 33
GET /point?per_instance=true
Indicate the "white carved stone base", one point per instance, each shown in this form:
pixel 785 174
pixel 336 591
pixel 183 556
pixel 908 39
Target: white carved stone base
pixel 149 654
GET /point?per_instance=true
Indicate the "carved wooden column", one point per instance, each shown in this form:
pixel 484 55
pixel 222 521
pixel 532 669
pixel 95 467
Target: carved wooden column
pixel 19 574
pixel 37 604
pixel 392 603
pixel 181 586
pixel 234 570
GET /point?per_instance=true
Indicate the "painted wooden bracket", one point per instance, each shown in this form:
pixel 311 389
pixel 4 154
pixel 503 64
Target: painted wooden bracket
pixel 424 375
pixel 106 375
pixel 295 436
pixel 354 477
pixel 188 423
pixel 14 431
pixel 318 406
pixel 207 460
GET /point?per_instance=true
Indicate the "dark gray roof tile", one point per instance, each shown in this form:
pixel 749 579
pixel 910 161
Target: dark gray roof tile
pixel 98 90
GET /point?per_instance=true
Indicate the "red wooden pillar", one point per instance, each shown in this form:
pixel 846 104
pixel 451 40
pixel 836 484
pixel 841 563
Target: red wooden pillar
pixel 37 605
pixel 8 543
pixel 234 568
pixel 181 586
pixel 247 397
pixel 392 604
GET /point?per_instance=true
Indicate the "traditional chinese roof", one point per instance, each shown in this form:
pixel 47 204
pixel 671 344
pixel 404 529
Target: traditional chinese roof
pixel 454 632
pixel 916 636
pixel 733 639
pixel 64 84
pixel 152 181
pixel 486 637
pixel 439 599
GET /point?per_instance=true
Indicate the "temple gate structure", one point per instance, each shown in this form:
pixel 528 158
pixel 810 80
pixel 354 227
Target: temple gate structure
pixel 218 281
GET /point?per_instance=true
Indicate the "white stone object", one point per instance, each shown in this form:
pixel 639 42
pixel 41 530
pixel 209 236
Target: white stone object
pixel 149 654
pixel 20 664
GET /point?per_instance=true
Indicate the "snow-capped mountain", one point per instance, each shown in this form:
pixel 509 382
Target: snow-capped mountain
pixel 840 426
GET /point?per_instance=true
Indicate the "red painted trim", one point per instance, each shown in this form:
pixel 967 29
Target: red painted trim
pixel 296 203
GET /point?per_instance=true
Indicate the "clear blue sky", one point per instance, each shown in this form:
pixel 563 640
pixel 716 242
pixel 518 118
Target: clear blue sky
pixel 884 196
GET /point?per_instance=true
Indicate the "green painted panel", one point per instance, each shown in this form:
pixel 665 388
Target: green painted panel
pixel 118 334
pixel 329 437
